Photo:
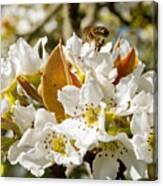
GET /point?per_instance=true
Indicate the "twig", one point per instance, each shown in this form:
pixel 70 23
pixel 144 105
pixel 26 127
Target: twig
pixel 74 15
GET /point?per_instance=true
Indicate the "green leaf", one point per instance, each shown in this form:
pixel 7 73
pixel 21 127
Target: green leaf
pixel 79 172
pixel 6 143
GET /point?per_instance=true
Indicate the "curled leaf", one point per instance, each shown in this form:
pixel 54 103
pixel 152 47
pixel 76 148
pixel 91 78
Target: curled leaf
pixel 29 89
pixel 55 76
pixel 74 79
pixel 126 65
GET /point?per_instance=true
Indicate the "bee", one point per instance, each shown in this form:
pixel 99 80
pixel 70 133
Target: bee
pixel 96 34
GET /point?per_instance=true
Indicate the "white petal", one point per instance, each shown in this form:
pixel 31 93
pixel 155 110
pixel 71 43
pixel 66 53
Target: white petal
pixel 74 156
pixel 140 123
pixel 34 162
pixel 24 116
pixel 29 138
pixel 24 57
pixel 141 148
pixel 102 116
pixel 106 48
pixel 91 91
pixel 74 45
pixel 125 140
pixel 14 153
pixel 77 130
pixel 136 169
pixel 104 166
pixel 69 97
pixel 8 73
pixel 105 66
pixel 142 102
pixel 97 59
pixel 127 88
pixel 113 74
pixel 42 117
pixel 87 50
pixel 71 157
pixel 41 44
pixel 147 82
pixel 106 86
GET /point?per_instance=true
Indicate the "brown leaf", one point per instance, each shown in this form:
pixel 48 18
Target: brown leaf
pixel 74 79
pixel 31 91
pixel 55 76
pixel 126 65
pixel 8 124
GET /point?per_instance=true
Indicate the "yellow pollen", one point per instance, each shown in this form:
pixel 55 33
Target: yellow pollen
pixel 59 144
pixel 91 115
pixel 115 124
pixel 113 146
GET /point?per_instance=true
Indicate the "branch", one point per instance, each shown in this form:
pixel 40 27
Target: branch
pixel 114 11
pixel 31 34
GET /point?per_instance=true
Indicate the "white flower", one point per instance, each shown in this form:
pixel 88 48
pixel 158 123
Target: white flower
pixel 106 77
pixel 119 151
pixel 76 52
pixel 43 145
pixel 85 137
pixel 25 58
pixel 87 132
pixel 102 66
pixel 142 126
pixel 8 73
pixel 144 147
pixel 141 102
pixel 74 45
pixel 96 113
pixel 84 57
pixel 22 59
pixel 141 123
pixel 135 97
pixel 127 88
pixel 75 100
pixel 88 115
pixel 147 82
pixel 24 116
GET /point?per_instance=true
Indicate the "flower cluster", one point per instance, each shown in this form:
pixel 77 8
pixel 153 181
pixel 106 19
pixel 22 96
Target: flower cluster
pixel 78 107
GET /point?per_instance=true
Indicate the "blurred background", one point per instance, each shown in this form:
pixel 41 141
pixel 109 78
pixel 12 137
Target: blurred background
pixel 135 21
